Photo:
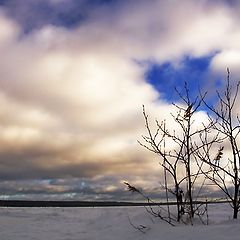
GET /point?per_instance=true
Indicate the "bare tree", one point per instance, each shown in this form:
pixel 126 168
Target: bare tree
pixel 187 141
pixel 170 164
pixel 225 172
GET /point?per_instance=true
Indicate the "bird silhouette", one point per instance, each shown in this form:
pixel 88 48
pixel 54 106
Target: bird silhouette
pixel 187 113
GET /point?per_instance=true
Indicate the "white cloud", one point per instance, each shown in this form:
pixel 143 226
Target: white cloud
pixel 227 59
pixel 8 30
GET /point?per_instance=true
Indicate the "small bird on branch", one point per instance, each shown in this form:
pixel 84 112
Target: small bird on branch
pixel 188 113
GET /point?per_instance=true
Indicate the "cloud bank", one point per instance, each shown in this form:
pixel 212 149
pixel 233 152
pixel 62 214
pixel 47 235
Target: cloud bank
pixel 71 97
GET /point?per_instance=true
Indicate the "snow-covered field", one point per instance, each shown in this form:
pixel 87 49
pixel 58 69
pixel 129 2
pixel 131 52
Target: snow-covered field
pixel 109 223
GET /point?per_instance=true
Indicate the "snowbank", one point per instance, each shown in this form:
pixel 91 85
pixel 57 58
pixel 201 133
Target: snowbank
pixel 109 223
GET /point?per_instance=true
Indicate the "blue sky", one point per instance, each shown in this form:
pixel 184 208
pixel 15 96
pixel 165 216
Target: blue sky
pixel 168 77
pixel 72 95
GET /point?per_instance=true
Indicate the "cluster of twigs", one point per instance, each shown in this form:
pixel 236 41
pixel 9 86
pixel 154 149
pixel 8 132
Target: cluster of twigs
pixel 149 206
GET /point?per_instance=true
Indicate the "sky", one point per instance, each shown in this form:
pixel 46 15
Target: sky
pixel 74 75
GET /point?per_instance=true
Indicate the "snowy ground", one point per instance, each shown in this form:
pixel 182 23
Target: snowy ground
pixel 109 223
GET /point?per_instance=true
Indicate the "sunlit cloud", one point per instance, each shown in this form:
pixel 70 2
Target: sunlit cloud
pixel 71 97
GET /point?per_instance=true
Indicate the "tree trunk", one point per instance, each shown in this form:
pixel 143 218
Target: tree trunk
pixel 235 201
pixel 178 203
pixel 190 193
pixel 235 211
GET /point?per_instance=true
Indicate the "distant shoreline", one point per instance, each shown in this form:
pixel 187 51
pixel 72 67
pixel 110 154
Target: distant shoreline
pixel 32 203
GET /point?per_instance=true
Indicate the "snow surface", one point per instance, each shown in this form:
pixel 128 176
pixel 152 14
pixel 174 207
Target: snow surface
pixel 110 223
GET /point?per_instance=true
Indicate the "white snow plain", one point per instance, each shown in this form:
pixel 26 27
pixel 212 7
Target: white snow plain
pixel 110 223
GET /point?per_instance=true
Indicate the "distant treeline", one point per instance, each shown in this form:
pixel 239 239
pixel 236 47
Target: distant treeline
pixel 24 203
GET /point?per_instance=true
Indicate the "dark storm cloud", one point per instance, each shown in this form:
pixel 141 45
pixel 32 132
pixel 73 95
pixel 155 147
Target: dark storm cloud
pixel 37 164
pixel 81 189
pixel 44 160
pixel 105 188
